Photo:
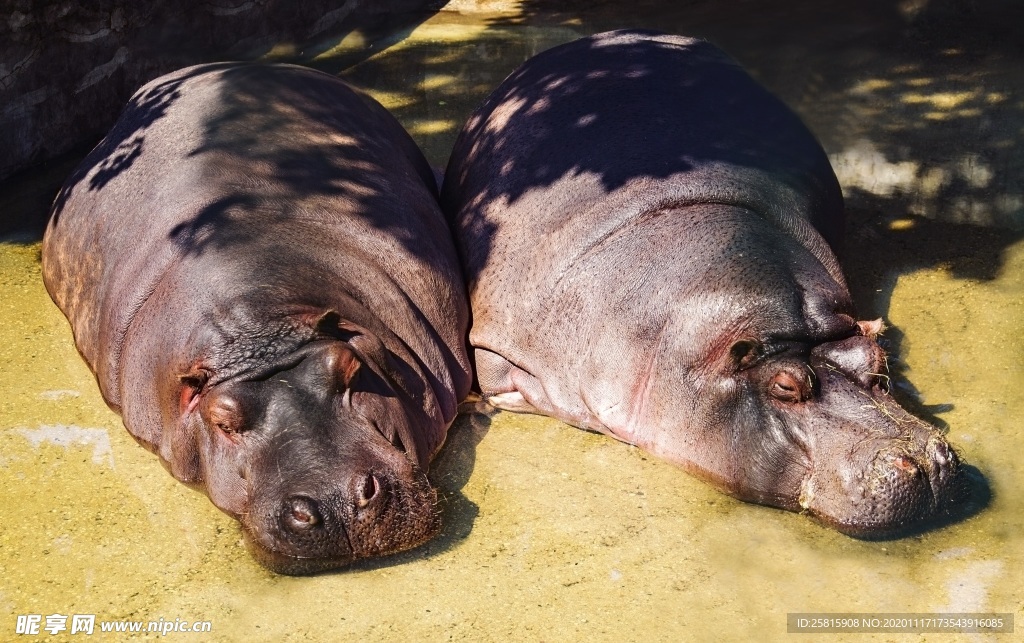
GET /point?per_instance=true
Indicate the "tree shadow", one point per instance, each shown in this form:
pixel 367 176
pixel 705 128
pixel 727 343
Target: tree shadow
pixel 353 168
pixel 278 146
pixel 165 42
pixel 672 115
pixel 124 144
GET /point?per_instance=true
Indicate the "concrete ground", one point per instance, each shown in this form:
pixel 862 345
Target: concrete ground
pixel 552 533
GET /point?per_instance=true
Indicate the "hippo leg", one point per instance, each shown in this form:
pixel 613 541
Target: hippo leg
pixel 507 387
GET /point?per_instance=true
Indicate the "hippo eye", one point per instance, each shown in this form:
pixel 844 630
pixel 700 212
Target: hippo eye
pixel 787 388
pixel 396 441
pixel 224 412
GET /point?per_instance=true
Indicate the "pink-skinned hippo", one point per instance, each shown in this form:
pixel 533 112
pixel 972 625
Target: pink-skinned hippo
pixel 645 233
pixel 255 266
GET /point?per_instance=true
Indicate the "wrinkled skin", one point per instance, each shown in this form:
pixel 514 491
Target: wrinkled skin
pixel 646 235
pixel 254 265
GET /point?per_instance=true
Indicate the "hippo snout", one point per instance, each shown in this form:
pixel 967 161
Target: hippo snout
pixel 900 489
pixel 907 487
pixel 368 514
pixel 897 490
pixel 301 515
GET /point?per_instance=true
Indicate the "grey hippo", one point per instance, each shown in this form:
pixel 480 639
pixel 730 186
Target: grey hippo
pixel 255 267
pixel 646 236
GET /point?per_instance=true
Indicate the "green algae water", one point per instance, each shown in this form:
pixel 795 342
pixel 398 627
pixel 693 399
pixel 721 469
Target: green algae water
pixel 551 533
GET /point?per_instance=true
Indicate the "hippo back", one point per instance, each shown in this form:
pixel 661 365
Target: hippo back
pixel 599 125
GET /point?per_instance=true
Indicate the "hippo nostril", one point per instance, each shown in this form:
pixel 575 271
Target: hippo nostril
pixel 366 490
pixel 945 468
pixel 396 441
pixel 300 514
pixel 941 454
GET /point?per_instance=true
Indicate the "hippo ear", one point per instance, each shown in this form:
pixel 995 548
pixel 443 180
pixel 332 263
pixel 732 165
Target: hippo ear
pixel 362 344
pixel 328 319
pixel 331 323
pixel 343 364
pixel 326 322
pixel 871 328
pixel 745 353
pixel 196 378
pixel 192 383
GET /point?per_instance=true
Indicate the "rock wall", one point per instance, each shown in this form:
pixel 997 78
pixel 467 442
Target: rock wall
pixel 67 67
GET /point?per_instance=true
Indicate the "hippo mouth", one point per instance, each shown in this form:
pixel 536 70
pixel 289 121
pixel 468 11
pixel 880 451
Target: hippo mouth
pixel 280 562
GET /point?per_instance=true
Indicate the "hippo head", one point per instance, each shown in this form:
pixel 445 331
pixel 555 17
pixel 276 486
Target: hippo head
pixel 317 455
pixel 830 441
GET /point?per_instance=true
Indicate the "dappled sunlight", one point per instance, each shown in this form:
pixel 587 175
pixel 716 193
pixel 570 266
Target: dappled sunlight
pixel 551 532
pixel 437 126
pixel 445 34
pixel 936 138
pixel 865 167
pixel 924 188
pixel 940 100
pixel 442 70
pixel 355 40
pixel 396 100
pixel 437 81
pixel 281 52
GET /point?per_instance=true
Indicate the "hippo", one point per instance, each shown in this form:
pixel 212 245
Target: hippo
pixel 646 236
pixel 256 268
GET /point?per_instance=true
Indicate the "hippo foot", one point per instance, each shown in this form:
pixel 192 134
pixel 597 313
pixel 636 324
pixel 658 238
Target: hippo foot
pixel 512 401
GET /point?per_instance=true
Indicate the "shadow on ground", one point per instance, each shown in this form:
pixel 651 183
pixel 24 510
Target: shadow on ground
pixel 450 472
